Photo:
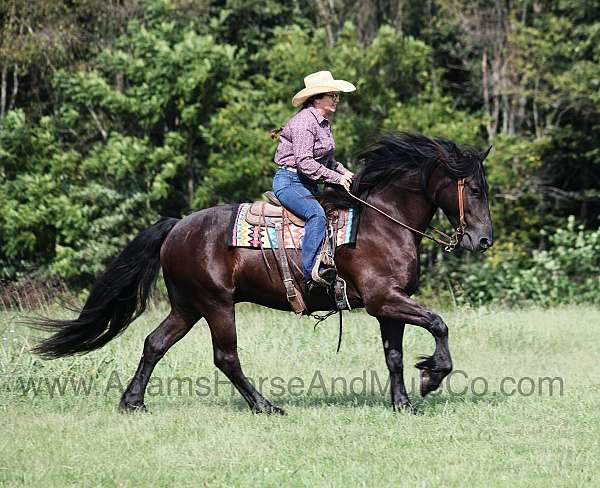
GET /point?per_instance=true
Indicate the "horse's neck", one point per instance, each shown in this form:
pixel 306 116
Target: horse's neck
pixel 412 208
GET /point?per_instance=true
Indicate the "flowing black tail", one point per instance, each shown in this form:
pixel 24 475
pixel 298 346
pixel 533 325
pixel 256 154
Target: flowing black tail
pixel 118 297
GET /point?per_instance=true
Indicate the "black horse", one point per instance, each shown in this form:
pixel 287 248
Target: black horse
pixel 408 176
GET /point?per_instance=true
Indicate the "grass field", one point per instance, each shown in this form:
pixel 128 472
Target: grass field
pixel 501 421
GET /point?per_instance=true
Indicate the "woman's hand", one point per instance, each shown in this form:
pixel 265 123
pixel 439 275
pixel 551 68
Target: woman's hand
pixel 346 180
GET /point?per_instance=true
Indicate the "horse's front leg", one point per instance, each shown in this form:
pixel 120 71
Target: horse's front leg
pixel 392 334
pixel 396 309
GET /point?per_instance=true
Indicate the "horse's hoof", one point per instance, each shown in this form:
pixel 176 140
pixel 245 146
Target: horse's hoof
pixel 277 410
pixel 430 381
pixel 269 409
pixel 425 383
pixel 126 407
pixel 407 408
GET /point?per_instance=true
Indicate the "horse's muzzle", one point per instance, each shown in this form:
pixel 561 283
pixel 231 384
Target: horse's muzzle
pixel 475 241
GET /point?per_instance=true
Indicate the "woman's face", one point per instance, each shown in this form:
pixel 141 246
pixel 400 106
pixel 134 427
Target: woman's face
pixel 327 103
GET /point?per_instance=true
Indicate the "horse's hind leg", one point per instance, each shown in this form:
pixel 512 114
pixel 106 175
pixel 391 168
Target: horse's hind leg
pixel 156 345
pixel 221 321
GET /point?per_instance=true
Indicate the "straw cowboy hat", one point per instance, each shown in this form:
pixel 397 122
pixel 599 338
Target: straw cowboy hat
pixel 320 82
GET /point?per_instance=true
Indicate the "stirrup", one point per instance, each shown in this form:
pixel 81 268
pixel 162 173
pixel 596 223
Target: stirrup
pixel 325 277
pixel 340 295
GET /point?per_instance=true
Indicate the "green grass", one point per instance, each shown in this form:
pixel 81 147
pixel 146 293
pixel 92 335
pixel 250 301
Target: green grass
pixel 328 438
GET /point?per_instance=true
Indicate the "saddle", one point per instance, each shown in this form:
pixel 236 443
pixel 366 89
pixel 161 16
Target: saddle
pixel 270 213
pixel 273 214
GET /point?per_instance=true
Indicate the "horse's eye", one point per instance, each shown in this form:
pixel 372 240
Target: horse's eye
pixel 476 191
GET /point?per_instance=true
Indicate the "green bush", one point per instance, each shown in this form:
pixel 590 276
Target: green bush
pixel 568 271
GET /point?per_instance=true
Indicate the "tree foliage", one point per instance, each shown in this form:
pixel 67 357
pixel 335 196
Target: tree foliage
pixel 113 113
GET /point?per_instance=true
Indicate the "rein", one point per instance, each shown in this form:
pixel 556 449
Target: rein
pixel 451 240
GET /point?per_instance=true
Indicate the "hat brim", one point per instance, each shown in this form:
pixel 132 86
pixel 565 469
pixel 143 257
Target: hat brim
pixel 334 85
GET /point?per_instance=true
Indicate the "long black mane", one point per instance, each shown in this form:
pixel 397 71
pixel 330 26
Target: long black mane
pixel 404 156
pixel 409 159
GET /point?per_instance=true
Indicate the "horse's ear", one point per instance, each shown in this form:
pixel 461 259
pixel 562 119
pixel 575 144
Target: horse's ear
pixel 485 154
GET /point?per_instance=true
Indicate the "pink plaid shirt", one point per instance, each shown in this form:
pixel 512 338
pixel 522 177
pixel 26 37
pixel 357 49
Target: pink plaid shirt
pixel 306 143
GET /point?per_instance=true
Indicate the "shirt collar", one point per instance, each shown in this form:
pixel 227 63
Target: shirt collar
pixel 317 115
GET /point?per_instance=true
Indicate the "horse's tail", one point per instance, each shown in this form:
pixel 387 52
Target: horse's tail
pixel 117 298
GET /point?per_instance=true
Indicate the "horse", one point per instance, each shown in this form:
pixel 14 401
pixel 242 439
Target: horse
pixel 407 176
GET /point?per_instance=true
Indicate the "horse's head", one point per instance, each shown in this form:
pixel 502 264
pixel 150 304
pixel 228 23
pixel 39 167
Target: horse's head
pixel 411 161
pixel 445 187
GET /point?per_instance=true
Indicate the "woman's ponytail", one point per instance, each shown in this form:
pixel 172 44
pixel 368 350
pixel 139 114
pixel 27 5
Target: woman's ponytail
pixel 274 133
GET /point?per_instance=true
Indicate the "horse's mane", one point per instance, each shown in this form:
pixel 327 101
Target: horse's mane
pixel 408 159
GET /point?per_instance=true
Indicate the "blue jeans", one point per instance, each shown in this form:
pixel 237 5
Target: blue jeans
pixel 295 192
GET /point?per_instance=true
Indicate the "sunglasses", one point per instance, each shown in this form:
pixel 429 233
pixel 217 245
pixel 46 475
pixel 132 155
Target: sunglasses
pixel 334 95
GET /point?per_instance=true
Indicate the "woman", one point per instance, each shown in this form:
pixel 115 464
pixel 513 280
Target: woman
pixel 305 157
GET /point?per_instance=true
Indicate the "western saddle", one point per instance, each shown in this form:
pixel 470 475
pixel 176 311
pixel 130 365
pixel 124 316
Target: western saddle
pixel 273 214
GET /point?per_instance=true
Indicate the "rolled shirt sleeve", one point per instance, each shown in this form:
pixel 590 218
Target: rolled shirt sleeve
pixel 303 143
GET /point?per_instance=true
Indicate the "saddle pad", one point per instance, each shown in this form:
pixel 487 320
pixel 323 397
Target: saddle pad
pixel 243 234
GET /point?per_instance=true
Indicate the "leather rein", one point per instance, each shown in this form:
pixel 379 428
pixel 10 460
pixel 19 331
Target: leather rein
pixel 449 242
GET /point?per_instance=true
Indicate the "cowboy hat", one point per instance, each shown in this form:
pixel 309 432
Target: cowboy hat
pixel 320 82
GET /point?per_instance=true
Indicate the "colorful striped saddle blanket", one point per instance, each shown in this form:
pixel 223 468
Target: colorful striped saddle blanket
pixel 253 227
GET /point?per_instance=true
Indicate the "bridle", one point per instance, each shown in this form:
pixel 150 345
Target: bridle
pixel 449 242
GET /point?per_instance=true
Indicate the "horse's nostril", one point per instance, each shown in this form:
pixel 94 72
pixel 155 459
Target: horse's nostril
pixel 484 243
